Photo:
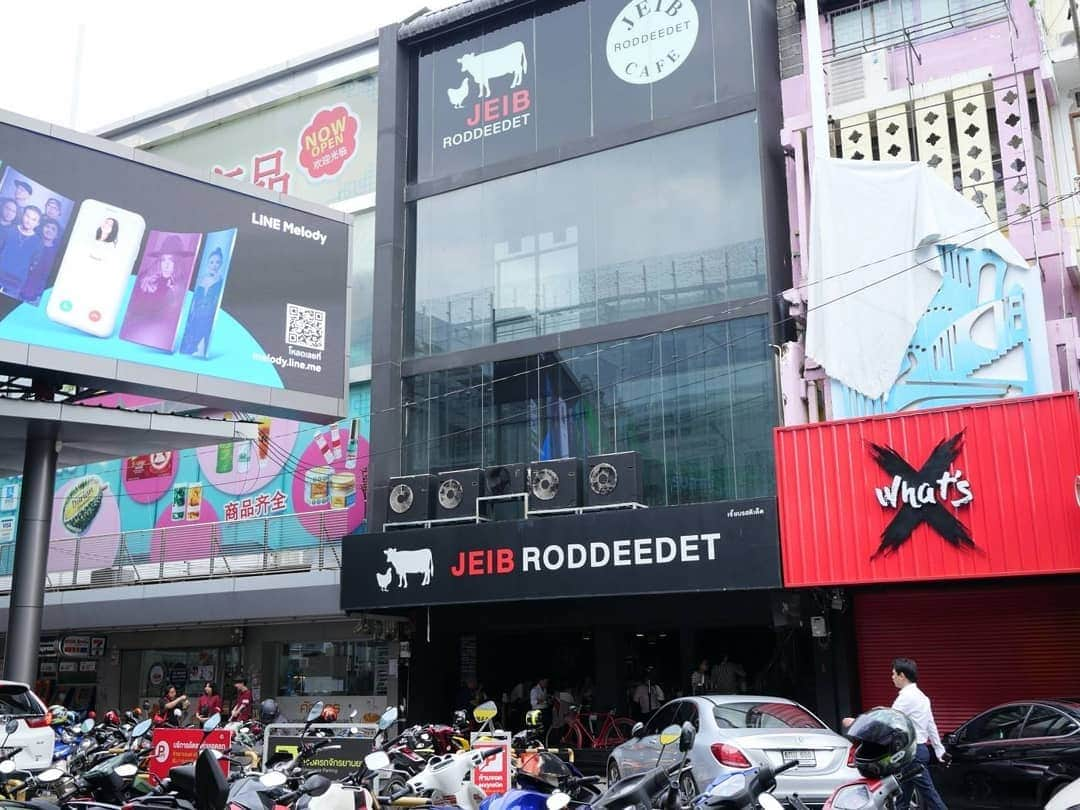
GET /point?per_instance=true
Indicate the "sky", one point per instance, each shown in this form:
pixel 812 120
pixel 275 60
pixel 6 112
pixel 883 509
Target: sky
pixel 140 56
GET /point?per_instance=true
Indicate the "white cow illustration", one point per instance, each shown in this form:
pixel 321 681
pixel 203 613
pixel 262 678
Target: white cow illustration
pixel 411 562
pixel 488 65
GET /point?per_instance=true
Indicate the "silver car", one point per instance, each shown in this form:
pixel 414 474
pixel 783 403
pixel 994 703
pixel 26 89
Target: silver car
pixel 735 732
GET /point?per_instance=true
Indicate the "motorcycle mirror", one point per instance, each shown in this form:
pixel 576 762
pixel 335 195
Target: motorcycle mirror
pixel 7 766
pixel 126 771
pixel 670 735
pixel 638 731
pixel 212 722
pixel 49 775
pixel 316 710
pixel 388 718
pixel 377 761
pixel 353 713
pixel 766 801
pixel 140 730
pixel 316 785
pixel 11 726
pixel 485 711
pixel 273 779
pixel 686 737
pixel 88 725
pixel 558 800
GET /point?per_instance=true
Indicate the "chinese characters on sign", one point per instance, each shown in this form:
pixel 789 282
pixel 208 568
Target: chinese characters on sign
pixel 261 505
pixel 267 171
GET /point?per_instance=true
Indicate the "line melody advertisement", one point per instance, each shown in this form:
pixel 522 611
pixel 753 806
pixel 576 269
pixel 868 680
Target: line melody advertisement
pixel 113 258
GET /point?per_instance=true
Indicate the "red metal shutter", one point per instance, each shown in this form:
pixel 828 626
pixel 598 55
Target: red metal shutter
pixel 975 646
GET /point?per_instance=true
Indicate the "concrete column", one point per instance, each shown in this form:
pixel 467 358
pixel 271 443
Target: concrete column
pixel 31 552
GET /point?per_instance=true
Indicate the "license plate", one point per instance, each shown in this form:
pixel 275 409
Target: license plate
pixel 806 759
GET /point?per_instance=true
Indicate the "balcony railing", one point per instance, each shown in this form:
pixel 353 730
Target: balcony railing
pixel 270 545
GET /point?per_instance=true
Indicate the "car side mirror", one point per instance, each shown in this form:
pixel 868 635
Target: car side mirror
pixel 951 739
pixel 686 737
pixel 638 731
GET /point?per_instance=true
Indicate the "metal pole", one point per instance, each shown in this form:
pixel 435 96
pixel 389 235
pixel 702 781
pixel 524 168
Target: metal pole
pixel 815 74
pixel 1076 24
pixel 31 552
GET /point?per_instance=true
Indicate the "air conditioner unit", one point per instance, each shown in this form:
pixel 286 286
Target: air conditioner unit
pixel 858 77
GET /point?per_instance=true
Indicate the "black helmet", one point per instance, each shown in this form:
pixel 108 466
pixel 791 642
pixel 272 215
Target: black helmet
pixel 884 742
pixel 268 710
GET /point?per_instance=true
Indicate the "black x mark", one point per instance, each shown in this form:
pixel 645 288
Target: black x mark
pixel 907 519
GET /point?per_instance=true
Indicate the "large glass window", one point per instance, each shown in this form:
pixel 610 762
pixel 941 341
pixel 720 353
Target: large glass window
pixel 655 226
pixel 697 403
pixel 333 668
pixel 363 279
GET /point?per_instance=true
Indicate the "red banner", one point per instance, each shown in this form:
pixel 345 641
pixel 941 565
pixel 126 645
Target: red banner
pixel 983 490
pixel 179 746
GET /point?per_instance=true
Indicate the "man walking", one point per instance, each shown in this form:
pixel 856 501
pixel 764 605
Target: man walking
pixel 916 705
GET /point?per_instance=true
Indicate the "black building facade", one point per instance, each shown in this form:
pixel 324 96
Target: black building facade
pixel 581 235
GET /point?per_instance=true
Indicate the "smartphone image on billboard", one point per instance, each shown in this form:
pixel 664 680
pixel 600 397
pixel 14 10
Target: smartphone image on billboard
pixel 206 297
pixel 161 286
pixel 96 267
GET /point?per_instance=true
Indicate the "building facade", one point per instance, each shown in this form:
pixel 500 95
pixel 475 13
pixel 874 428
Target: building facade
pixel 580 235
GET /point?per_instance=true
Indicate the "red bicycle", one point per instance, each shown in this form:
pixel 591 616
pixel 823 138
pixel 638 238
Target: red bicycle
pixel 590 730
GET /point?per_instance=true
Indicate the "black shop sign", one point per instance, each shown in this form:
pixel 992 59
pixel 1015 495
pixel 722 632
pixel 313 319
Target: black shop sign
pixel 701 547
pixel 345 755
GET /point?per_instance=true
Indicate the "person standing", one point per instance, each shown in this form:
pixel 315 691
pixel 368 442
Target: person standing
pixel 241 710
pixel 168 705
pixel 209 703
pixel 648 695
pixel 538 701
pixel 913 702
pixel 699 678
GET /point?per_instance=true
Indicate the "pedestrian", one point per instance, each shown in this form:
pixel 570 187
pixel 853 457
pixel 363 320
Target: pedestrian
pixel 648 696
pixel 241 710
pixel 699 678
pixel 729 677
pixel 209 703
pixel 916 705
pixel 167 706
pixel 538 701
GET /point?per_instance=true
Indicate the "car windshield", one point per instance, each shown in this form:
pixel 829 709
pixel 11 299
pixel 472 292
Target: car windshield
pixel 764 715
pixel 18 701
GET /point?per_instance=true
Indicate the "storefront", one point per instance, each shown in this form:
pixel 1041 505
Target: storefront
pixel 950 536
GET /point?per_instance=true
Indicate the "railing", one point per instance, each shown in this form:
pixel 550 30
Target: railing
pixel 278 544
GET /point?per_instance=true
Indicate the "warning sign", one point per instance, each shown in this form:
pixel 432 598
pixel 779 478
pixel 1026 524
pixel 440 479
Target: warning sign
pixel 493 776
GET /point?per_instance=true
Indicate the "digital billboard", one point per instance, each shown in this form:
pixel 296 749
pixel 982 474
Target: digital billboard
pixel 188 285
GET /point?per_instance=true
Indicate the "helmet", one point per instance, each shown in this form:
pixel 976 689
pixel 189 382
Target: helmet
pixel 112 718
pixel 59 715
pixel 884 742
pixel 329 714
pixel 136 712
pixel 546 767
pixel 268 710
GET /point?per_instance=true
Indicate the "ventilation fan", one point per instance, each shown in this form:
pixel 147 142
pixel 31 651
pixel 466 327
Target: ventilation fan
pixel 450 493
pixel 401 498
pixel 603 478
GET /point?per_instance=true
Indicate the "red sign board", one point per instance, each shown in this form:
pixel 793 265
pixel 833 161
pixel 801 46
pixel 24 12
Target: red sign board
pixel 983 490
pixel 493 776
pixel 179 746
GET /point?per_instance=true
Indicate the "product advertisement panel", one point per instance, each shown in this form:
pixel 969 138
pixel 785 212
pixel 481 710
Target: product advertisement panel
pixel 584 69
pixel 701 547
pixel 112 258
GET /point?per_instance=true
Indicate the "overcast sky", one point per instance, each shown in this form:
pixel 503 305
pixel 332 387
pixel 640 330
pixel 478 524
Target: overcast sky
pixel 138 56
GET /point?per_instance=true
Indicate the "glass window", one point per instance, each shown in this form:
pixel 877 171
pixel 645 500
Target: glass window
pixel 764 715
pixel 333 668
pixel 363 277
pixel 18 701
pixel 664 717
pixel 994 725
pixel 1045 721
pixel 608 237
pixel 698 405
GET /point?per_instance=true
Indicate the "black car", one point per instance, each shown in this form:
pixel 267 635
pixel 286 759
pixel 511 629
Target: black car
pixel 1012 756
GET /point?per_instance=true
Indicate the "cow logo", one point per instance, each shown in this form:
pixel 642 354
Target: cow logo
pixel 920 496
pixel 403 563
pixel 650 39
pixel 483 67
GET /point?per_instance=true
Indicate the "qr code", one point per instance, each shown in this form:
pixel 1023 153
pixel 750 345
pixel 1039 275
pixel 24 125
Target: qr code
pixel 305 327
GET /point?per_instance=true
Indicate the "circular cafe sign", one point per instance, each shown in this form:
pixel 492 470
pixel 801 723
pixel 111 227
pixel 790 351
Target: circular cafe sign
pixel 650 39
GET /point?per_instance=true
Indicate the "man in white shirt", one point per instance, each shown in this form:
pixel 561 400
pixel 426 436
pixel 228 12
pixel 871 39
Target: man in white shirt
pixel 916 705
pixel 538 699
pixel 648 695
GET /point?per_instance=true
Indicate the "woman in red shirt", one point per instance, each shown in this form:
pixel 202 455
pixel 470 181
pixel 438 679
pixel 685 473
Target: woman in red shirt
pixel 209 703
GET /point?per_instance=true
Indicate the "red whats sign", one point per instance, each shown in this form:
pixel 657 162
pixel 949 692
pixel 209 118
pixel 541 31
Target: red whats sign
pixel 983 490
pixel 179 746
pixel 328 142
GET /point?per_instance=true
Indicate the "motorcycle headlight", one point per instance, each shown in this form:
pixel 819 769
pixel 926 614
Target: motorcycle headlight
pixel 852 797
pixel 732 786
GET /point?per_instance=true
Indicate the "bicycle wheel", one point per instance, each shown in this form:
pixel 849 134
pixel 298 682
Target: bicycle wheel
pixel 618 732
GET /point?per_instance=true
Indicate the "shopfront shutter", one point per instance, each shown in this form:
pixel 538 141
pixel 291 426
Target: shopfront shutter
pixel 975 646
